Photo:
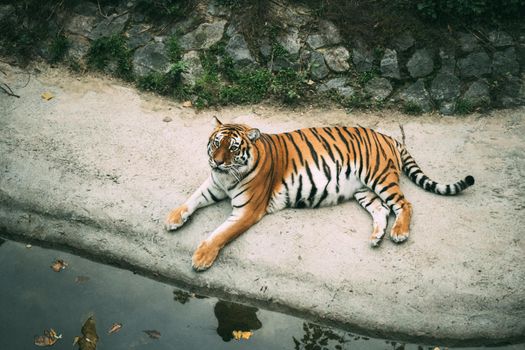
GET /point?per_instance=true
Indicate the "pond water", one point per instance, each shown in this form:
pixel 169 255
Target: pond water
pixel 33 298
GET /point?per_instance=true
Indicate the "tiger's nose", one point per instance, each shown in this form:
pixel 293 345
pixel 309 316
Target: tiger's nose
pixel 219 161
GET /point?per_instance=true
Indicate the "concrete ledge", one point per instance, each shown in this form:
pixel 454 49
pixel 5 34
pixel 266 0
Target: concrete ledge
pixel 96 169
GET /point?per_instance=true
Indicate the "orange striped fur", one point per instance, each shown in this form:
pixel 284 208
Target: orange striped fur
pixel 264 173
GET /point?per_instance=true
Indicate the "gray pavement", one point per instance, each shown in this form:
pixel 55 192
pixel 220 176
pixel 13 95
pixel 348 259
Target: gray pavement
pixel 96 169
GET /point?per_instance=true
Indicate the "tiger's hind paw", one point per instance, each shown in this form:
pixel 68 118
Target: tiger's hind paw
pixel 176 218
pixel 377 235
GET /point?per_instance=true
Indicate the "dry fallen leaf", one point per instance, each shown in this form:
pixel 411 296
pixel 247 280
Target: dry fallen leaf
pixel 89 338
pixel 49 338
pixel 115 327
pixel 187 104
pixel 238 335
pixel 59 265
pixel 47 95
pixel 153 334
pixel 42 340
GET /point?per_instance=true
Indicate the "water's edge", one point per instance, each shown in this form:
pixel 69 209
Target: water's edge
pixel 40 235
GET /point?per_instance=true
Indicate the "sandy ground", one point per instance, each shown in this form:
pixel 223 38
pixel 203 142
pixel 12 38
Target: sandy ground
pixel 97 168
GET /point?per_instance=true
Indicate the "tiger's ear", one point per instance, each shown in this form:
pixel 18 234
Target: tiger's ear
pixel 217 122
pixel 253 134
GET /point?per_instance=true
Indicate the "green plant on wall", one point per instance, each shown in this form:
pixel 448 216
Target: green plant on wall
pixel 58 48
pixel 464 106
pixel 173 48
pixel 365 77
pixel 412 108
pixel 16 40
pixel 356 100
pixel 278 50
pixel 154 82
pixel 164 83
pixel 156 9
pixel 207 88
pixel 288 86
pixel 207 91
pixel 111 50
pixel 224 83
pixel 466 10
pixel 27 24
pixel 249 86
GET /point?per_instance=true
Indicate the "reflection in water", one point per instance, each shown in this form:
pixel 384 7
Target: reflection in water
pixel 320 338
pixel 230 316
pixel 235 317
pixel 317 337
pixel 43 299
pixel 181 296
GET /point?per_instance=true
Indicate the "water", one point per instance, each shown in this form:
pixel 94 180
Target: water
pixel 33 297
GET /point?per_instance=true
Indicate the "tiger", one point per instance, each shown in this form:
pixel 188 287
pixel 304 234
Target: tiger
pixel 306 168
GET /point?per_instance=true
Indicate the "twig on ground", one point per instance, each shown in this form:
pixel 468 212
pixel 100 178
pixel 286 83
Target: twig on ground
pixel 121 14
pixel 145 29
pixel 59 4
pixel 28 80
pixel 402 133
pixel 8 90
pixel 278 3
pixel 100 10
pixel 161 30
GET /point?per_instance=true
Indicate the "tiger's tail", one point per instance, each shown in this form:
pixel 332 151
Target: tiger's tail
pixel 414 172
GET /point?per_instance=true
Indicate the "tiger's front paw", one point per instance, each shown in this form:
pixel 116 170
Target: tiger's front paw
pixel 397 234
pixel 176 218
pixel 204 256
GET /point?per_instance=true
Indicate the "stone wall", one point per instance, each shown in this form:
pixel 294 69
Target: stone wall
pixel 478 70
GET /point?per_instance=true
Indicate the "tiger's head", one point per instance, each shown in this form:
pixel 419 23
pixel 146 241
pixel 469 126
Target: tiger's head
pixel 231 147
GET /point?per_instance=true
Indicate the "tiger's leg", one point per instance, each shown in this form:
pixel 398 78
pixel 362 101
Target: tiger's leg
pixel 238 222
pixel 208 193
pixel 379 211
pixel 390 192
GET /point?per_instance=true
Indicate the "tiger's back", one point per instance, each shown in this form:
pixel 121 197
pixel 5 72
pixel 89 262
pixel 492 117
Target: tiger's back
pixel 326 166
